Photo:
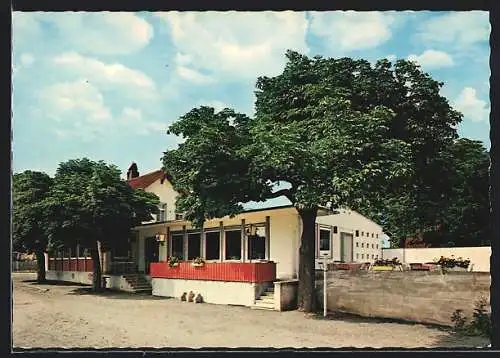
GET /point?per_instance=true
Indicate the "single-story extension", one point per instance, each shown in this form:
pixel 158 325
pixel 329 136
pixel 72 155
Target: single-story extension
pixel 251 259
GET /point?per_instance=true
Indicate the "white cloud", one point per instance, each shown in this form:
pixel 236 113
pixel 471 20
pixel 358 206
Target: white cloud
pixel 431 59
pixel 350 30
pixel 27 59
pixel 106 75
pixel 234 45
pixel 194 76
pixel 391 57
pixel 471 106
pixel 458 28
pixel 96 33
pixel 61 99
pixel 132 119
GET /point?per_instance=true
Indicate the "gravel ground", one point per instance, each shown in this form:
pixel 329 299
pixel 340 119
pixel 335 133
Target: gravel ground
pixel 68 316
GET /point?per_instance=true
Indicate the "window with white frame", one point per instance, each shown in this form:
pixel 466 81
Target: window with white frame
pixel 233 244
pixel 162 211
pixel 194 245
pixel 256 244
pixel 177 245
pixel 179 216
pixel 324 240
pixel 212 245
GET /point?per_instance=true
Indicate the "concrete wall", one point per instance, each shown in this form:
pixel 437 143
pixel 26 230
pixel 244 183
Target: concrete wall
pixel 167 195
pixel 425 297
pixel 479 256
pixel 70 276
pixel 285 295
pixel 285 243
pixel 218 292
pixel 364 246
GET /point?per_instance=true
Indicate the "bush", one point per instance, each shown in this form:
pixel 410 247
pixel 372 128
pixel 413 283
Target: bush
pixel 480 324
pixel 451 262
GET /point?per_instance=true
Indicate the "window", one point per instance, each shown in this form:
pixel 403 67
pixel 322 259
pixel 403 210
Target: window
pixel 362 233
pixel 357 244
pixel 324 240
pixel 372 256
pixel 362 244
pixel 162 209
pixel 377 246
pixel 212 245
pixel 335 229
pixel 179 216
pixel 357 233
pixel 233 245
pixel 256 244
pixel 373 246
pixel 376 257
pixel 178 246
pixel 357 256
pixel 362 256
pixel 372 235
pixel 376 236
pixel 81 251
pixel 194 245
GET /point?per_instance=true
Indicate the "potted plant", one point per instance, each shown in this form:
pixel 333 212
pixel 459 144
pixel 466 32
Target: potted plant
pixel 386 265
pixel 453 264
pixel 198 262
pixel 173 261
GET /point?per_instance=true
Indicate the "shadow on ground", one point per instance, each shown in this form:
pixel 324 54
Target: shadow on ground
pixel 450 340
pixel 115 294
pixel 53 283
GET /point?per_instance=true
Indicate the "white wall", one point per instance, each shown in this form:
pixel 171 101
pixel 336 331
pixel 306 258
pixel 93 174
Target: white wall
pixel 218 292
pixel 70 276
pixel 167 195
pixel 285 243
pixel 349 221
pixel 479 256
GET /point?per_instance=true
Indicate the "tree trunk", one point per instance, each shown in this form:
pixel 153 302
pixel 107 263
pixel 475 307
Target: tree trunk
pixel 494 198
pixel 40 263
pixel 306 294
pixel 96 280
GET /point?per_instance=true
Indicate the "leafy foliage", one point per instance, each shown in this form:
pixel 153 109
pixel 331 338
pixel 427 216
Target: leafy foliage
pixel 89 203
pixel 30 220
pixel 480 324
pixel 451 262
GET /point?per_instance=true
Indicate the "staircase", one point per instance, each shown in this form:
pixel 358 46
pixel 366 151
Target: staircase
pixel 137 283
pixel 265 301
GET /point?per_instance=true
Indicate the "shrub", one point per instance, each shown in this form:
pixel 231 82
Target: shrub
pixel 451 262
pixel 172 260
pixel 480 324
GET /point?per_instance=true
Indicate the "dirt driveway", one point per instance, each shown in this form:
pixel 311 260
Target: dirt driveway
pixel 68 316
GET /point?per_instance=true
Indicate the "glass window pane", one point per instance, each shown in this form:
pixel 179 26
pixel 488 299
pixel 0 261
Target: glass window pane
pixel 324 240
pixel 256 245
pixel 194 246
pixel 178 246
pixel 233 245
pixel 212 245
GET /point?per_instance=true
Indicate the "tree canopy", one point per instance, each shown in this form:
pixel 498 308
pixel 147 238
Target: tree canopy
pixel 30 220
pixel 89 203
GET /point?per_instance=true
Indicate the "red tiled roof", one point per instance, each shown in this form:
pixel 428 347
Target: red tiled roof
pixel 143 181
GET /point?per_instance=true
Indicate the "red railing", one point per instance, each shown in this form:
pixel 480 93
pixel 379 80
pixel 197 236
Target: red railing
pixel 71 264
pixel 217 271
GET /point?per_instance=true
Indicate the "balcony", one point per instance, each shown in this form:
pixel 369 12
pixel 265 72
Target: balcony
pixel 217 271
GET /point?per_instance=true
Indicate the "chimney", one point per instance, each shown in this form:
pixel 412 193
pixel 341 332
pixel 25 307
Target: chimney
pixel 132 171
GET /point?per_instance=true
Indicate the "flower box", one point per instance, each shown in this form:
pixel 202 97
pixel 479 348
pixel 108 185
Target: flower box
pixel 383 268
pixel 174 264
pixel 195 264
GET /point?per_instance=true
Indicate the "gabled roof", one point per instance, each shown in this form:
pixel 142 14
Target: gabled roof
pixel 143 181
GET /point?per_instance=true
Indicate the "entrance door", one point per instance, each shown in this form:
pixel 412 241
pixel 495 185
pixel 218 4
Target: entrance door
pixel 151 248
pixel 346 247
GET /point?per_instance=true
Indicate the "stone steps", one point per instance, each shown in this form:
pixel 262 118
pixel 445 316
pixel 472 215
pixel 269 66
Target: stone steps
pixel 138 283
pixel 265 301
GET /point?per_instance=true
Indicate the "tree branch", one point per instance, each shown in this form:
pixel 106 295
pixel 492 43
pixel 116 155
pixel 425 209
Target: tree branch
pixel 282 192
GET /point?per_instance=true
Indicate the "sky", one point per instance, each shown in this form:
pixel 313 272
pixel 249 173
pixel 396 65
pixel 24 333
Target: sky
pixel 107 85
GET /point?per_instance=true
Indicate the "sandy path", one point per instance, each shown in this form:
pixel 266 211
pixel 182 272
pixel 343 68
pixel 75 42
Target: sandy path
pixel 55 316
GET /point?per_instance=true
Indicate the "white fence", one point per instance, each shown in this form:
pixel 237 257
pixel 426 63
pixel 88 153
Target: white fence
pixel 479 256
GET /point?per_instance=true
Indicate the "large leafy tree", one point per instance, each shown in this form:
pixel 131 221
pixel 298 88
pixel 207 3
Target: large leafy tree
pixel 92 206
pixel 309 132
pixel 30 220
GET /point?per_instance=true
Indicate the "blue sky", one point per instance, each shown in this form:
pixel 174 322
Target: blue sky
pixel 107 85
